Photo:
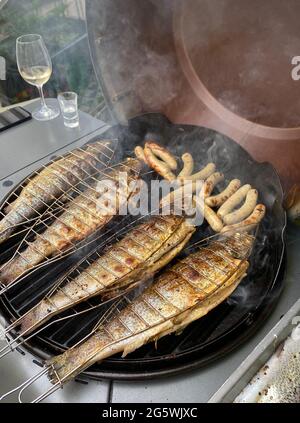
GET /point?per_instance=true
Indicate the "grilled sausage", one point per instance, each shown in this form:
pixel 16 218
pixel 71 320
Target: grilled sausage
pixel 139 153
pixel 213 219
pixel 158 165
pixel 233 201
pixel 211 182
pixel 163 154
pixel 244 211
pixel 218 200
pixel 203 174
pixel 188 165
pixel 246 225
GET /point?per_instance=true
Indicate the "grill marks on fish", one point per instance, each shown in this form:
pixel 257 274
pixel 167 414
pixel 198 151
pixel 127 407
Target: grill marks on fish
pixel 182 294
pixel 81 218
pixel 51 183
pixel 142 252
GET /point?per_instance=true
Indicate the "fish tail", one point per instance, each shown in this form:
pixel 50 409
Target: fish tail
pixel 22 263
pixel 97 348
pixel 6 229
pixel 239 245
pixel 38 314
pixel 9 222
pixel 73 361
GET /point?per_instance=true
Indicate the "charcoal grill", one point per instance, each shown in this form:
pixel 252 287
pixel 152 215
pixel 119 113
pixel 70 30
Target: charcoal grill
pixel 222 329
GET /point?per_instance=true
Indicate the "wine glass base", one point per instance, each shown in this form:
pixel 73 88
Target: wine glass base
pixel 46 113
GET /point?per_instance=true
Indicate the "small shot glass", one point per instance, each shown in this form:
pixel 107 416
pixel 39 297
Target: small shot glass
pixel 69 108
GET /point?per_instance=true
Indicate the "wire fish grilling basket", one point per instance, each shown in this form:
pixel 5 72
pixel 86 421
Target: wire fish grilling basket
pixel 223 328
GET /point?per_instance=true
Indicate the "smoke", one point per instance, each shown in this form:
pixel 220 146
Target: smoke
pixel 242 54
pixel 135 53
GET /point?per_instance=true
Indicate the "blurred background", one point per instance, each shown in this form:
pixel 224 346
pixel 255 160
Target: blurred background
pixel 211 63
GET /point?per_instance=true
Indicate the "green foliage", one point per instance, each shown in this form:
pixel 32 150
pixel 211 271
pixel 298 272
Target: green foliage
pixel 59 10
pixel 72 67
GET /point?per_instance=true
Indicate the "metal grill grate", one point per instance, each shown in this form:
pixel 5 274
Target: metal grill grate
pixel 219 331
pixel 43 229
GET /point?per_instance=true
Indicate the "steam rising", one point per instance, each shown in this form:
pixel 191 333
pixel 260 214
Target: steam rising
pixel 243 53
pixel 135 52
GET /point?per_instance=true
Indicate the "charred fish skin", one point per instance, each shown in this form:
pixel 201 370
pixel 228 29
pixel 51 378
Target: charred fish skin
pixel 49 184
pixel 142 252
pixel 81 218
pixel 182 294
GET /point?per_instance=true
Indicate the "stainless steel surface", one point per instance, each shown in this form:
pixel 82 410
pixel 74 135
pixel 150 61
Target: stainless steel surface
pixel 15 369
pixel 253 363
pixel 33 140
pixel 49 138
pixel 195 386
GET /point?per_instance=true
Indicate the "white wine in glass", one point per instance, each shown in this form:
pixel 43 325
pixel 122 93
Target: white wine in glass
pixel 35 66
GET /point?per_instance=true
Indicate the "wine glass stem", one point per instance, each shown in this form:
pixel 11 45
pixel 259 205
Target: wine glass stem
pixel 40 88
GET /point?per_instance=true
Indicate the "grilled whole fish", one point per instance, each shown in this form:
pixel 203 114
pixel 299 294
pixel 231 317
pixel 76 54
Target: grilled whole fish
pixel 182 294
pixel 81 218
pixel 143 251
pixel 50 184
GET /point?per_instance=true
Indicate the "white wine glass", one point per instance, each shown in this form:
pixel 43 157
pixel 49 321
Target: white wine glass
pixel 35 66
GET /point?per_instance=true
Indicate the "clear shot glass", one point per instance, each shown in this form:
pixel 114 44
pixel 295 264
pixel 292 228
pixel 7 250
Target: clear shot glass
pixel 69 108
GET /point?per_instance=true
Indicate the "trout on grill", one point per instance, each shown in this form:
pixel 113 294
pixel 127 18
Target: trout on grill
pixel 82 217
pixel 142 252
pixel 49 184
pixel 181 295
